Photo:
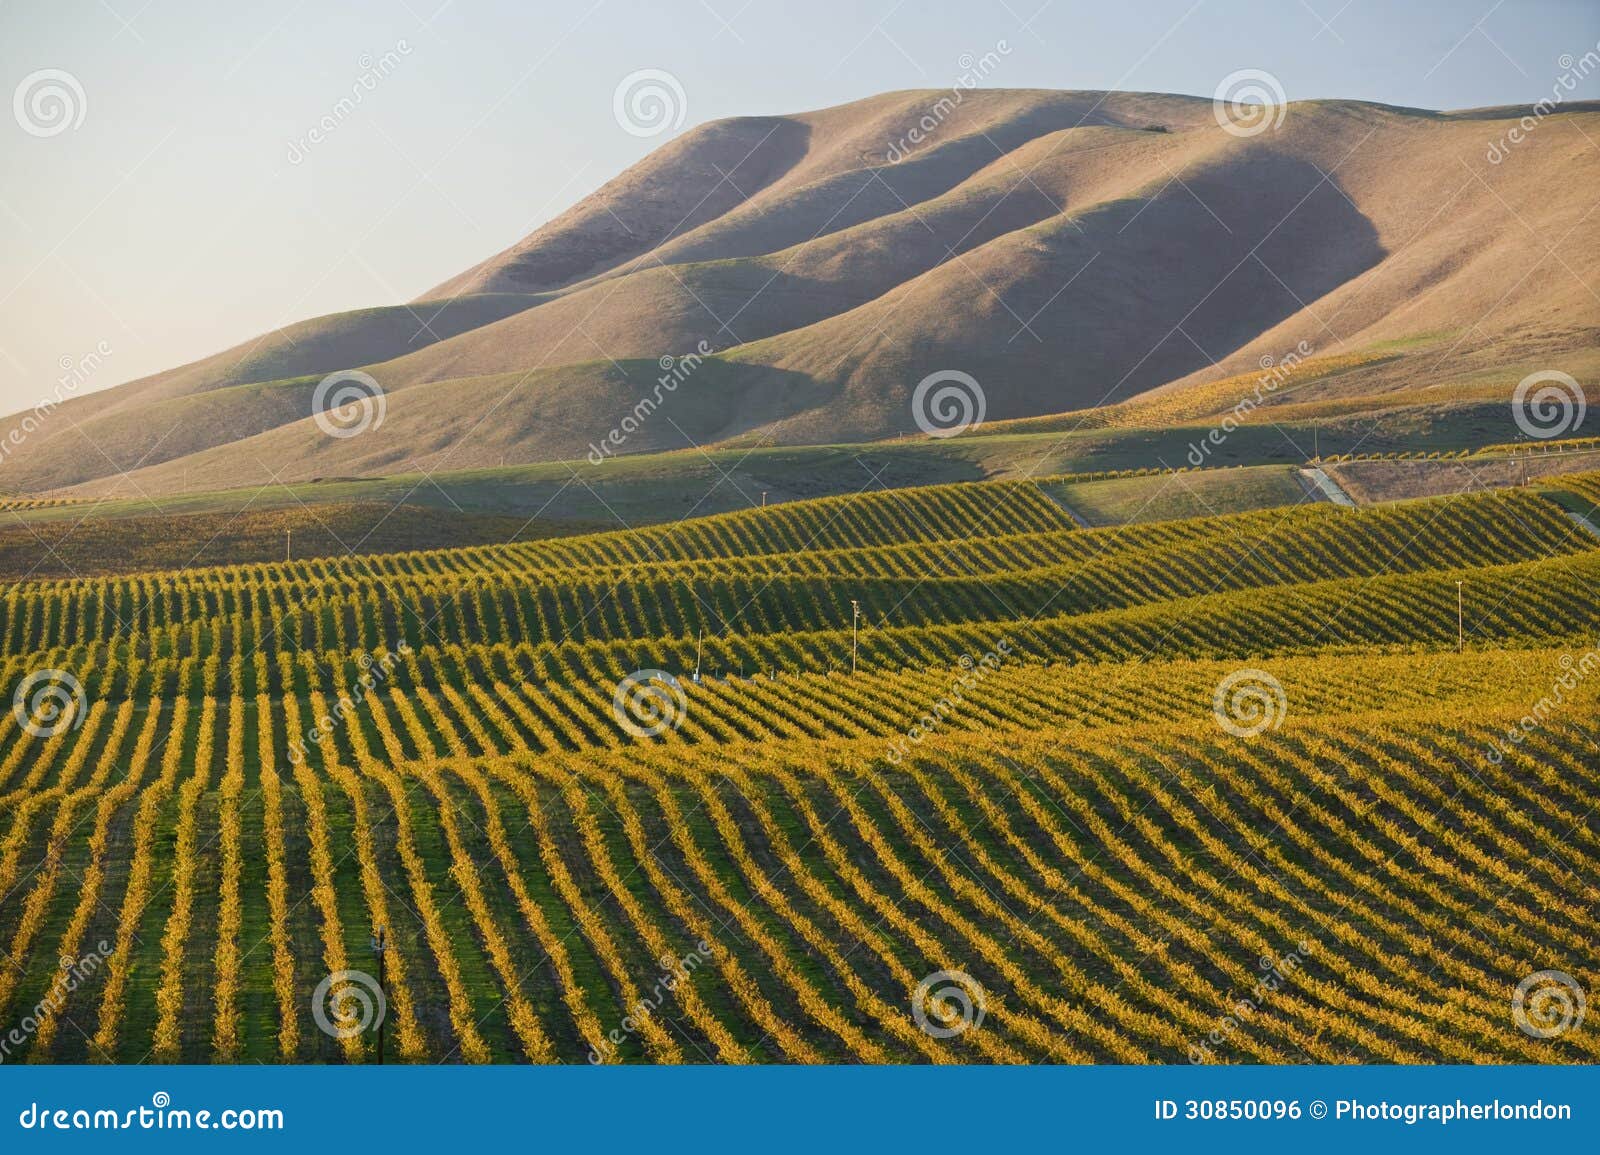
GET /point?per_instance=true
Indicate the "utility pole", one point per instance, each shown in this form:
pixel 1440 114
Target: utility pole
pixel 855 617
pixel 1316 445
pixel 763 499
pixel 380 947
pixel 288 536
pixel 1461 621
pixel 699 639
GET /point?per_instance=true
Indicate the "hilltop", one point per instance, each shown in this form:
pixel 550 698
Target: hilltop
pixel 1068 250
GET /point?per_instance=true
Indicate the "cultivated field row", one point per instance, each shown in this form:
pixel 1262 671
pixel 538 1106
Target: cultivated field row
pixel 1110 906
pixel 1528 602
pixel 1119 784
pixel 490 710
pixel 684 603
pixel 885 517
pixel 1320 530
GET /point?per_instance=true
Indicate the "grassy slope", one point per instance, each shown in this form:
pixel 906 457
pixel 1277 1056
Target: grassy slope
pixel 808 471
pixel 646 489
pixel 231 395
pixel 1374 481
pixel 80 543
pixel 1165 497
pixel 831 233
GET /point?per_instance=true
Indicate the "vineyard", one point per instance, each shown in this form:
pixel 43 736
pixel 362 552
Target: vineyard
pixel 920 775
pixel 1583 486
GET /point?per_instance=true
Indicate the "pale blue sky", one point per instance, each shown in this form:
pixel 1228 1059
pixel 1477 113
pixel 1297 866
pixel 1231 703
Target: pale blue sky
pixel 170 223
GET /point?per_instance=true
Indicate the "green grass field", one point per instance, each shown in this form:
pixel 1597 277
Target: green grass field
pixel 1168 496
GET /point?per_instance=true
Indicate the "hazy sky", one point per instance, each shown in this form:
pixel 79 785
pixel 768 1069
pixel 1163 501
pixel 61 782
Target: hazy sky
pixel 188 210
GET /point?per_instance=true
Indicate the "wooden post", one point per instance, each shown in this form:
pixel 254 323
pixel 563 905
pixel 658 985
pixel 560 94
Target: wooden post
pixel 380 947
pixel 855 616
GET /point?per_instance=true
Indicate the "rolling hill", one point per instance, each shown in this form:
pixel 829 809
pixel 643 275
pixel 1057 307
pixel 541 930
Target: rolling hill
pixel 1107 783
pixel 1069 250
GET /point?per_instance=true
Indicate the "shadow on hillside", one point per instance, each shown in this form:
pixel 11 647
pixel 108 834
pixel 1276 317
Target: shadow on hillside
pixel 1083 311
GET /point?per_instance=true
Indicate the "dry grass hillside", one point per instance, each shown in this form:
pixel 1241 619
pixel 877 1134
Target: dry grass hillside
pixel 1067 249
pixel 253 387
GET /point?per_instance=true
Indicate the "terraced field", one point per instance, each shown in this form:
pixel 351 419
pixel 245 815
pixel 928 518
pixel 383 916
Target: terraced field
pixel 1210 790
